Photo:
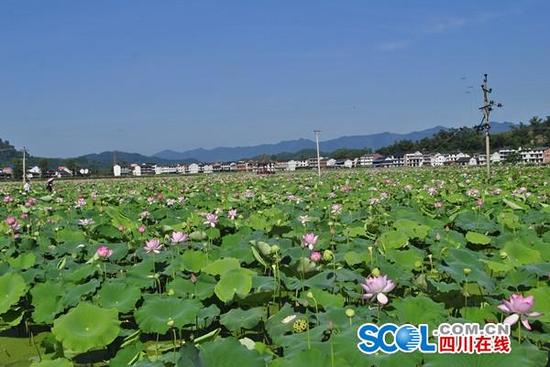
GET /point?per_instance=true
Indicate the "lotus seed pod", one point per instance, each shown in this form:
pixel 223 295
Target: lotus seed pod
pixel 418 264
pixel 299 326
pixel 171 292
pixel 350 312
pixel 170 323
pixel 275 249
pixel 467 271
pixel 309 295
pixel 375 272
pixel 503 254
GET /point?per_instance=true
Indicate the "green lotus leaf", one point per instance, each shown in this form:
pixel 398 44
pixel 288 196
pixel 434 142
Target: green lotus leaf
pixel 542 302
pixel 478 238
pixel 417 310
pixel 323 298
pixel 159 313
pixel 23 261
pixel 222 266
pixel 234 282
pixel 86 327
pixel 392 239
pixel 228 352
pixel 119 295
pixel 59 362
pixel 202 288
pixel 47 301
pixel 521 253
pixel 193 261
pixel 238 318
pixel 75 293
pixel 412 228
pixel 12 287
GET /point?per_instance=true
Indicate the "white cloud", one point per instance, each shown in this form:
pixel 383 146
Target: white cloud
pixel 393 45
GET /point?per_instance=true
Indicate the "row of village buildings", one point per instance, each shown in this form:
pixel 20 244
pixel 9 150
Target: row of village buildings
pixel 36 172
pixel 417 159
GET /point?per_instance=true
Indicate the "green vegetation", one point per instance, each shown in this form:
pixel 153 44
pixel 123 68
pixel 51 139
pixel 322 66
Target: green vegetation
pixel 468 140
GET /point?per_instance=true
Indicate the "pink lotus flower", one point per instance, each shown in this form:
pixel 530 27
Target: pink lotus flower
pixel 104 252
pixel 11 221
pixel 315 256
pixel 374 201
pixel 336 208
pixel 377 287
pixel 80 203
pixel 232 214
pixel 473 193
pixel 141 229
pixel 85 222
pixel 438 205
pixel 30 202
pixel 153 245
pixel 309 240
pixel 178 237
pixel 7 199
pixel 211 219
pixel 519 307
pixel 303 219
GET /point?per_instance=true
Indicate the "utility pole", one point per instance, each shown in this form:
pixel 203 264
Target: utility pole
pixel 24 166
pixel 485 125
pixel 317 132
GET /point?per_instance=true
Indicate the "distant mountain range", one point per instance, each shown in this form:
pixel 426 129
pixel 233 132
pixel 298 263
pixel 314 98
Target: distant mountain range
pixel 107 158
pixel 104 160
pixel 373 141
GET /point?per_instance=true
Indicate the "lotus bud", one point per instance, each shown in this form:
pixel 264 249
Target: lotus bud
pixel 328 255
pixel 375 272
pixel 503 254
pixel 309 295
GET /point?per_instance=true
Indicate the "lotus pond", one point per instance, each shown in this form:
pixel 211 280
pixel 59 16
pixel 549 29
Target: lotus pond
pixel 236 270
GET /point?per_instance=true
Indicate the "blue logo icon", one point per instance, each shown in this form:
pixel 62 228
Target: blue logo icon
pixel 391 338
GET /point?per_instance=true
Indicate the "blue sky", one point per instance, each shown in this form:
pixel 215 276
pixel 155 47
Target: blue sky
pixel 87 76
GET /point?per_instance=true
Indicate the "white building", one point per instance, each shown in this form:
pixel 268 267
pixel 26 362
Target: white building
pixel 159 170
pixel 348 163
pixel 366 160
pixel 291 165
pixel 495 157
pixel 532 156
pixel 136 171
pixel 207 168
pixel 331 162
pixel 437 160
pixel 194 168
pixel 504 153
pixel 415 159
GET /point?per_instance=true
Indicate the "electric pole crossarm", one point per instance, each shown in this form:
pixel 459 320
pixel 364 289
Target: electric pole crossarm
pixel 486 122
